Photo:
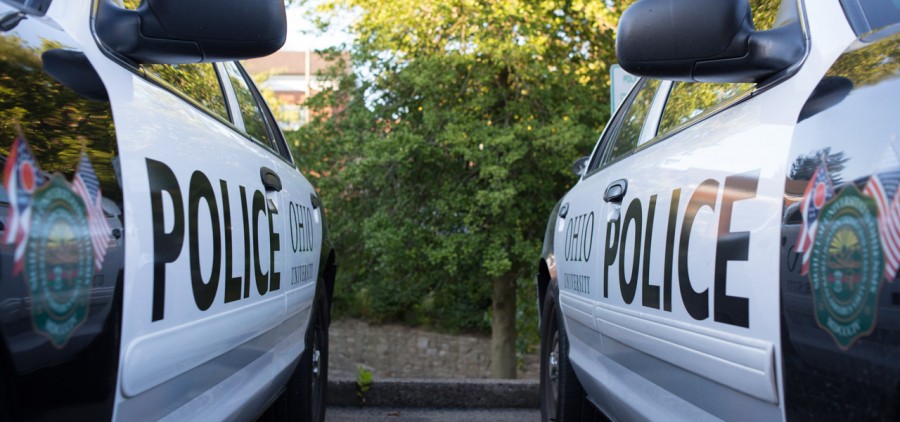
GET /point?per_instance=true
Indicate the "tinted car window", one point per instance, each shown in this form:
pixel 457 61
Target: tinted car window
pixel 198 81
pixel 629 132
pixel 688 101
pixel 251 112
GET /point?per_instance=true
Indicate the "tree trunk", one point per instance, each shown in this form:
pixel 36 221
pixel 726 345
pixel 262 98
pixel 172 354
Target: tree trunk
pixel 503 328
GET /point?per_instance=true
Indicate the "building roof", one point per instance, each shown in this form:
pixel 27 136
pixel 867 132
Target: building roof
pixel 286 63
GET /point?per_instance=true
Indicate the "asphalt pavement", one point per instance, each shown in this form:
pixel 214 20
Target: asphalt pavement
pixel 388 414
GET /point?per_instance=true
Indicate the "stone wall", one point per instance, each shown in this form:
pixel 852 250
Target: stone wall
pixel 396 351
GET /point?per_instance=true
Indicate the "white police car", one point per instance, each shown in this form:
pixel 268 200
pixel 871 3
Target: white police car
pixel 161 257
pixel 731 250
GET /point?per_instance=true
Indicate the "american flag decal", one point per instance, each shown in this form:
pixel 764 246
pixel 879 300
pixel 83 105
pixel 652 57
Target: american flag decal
pixel 818 192
pixel 87 186
pixel 21 178
pixel 883 188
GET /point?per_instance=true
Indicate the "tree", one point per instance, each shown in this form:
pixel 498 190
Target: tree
pixel 451 142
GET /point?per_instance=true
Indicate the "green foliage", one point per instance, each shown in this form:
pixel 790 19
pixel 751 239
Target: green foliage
pixel 448 145
pixel 364 381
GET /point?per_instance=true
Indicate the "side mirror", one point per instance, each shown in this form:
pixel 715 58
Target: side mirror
pixel 703 41
pixel 580 165
pixel 192 31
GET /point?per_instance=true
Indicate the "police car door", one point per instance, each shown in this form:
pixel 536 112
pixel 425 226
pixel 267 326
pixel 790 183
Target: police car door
pixel 690 294
pixel 202 303
pixel 298 209
pixel 580 227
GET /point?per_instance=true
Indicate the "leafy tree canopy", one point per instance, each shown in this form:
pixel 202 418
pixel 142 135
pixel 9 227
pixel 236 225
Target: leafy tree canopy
pixel 449 144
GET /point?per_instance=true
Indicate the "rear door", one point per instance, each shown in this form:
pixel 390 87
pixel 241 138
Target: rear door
pixel 580 227
pixel 297 210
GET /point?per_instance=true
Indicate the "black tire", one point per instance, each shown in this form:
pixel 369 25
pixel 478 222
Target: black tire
pixel 562 397
pixel 306 394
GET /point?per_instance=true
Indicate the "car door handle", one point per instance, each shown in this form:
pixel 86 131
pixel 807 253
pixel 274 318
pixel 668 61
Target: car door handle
pixel 270 179
pixel 616 191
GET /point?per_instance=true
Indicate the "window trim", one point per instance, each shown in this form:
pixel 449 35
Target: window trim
pixel 234 110
pixel 654 115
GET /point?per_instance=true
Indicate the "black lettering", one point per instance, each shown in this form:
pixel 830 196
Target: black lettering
pixel 274 246
pixel 246 241
pixel 612 245
pixel 732 246
pixel 670 250
pixel 232 284
pixel 576 250
pixel 292 220
pixel 204 292
pixel 300 222
pixel 259 206
pixel 696 303
pixel 633 214
pixel 649 292
pixel 309 230
pixel 586 251
pixel 166 246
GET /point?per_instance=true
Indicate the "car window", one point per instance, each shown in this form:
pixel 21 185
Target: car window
pixel 251 112
pixel 691 100
pixel 197 81
pixel 628 133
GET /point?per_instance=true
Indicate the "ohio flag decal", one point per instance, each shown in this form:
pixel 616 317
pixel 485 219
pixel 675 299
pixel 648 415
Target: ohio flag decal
pixel 818 192
pixel 20 178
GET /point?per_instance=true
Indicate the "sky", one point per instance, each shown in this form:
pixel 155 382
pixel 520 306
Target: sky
pixel 302 34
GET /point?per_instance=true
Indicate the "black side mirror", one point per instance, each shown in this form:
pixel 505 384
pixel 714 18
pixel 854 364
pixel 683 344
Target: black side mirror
pixel 580 165
pixel 703 41
pixel 192 31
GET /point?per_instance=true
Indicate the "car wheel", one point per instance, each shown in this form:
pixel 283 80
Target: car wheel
pixel 306 390
pixel 562 396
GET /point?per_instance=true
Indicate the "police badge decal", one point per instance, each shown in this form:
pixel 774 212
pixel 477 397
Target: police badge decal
pixel 59 237
pixel 846 267
pixel 849 246
pixel 59 261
